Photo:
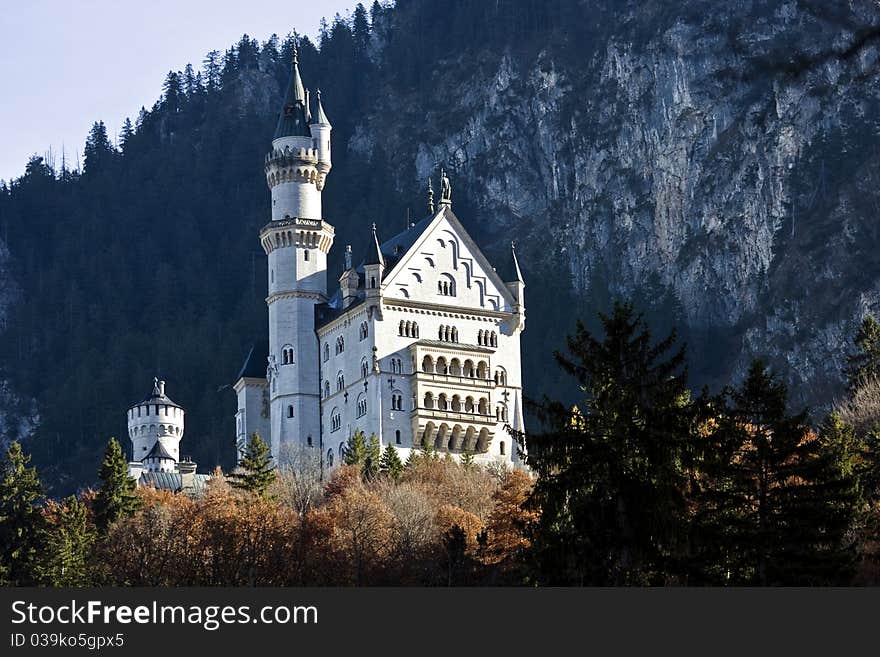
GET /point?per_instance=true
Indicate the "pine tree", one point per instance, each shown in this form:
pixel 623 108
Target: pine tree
pixel 611 486
pixel 467 459
pixel 776 501
pixel 390 464
pixel 864 364
pixel 211 65
pixel 98 151
pixel 20 517
pixel 354 452
pixel 116 496
pixel 66 544
pixel 373 457
pixel 126 133
pixel 257 472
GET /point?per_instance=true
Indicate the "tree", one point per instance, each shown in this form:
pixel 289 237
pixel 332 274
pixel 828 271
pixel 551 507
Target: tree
pixel 776 501
pixel 374 456
pixel 98 151
pixel 354 452
pixel 864 364
pixel 20 517
pixel 211 64
pixel 390 464
pixel 467 459
pixel 126 133
pixel 611 484
pixel 116 497
pixel 66 543
pixel 256 471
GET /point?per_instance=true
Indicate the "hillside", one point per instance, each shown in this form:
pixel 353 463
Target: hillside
pixel 716 163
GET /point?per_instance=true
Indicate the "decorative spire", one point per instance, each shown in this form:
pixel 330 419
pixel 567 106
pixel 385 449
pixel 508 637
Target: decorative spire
pixel 307 108
pixel 293 121
pixel 347 257
pixel 375 256
pixel 430 197
pixel 300 93
pixel 514 272
pixel 320 116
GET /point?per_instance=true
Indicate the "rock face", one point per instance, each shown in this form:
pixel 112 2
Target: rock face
pixel 726 154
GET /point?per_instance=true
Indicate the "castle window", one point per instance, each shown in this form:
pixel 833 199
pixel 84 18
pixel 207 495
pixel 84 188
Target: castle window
pixel 326 351
pixel 306 255
pixel 500 377
pixel 446 286
pixel 340 382
pixel 364 368
pixel 309 441
pixel 364 331
pixel 397 436
pixel 415 330
pixel 501 448
pixel 272 275
pixel 372 281
pixel 401 328
pixel 335 420
pixel 330 458
pixel 429 400
pixel 290 410
pixel 427 364
pixel 326 389
pixel 361 405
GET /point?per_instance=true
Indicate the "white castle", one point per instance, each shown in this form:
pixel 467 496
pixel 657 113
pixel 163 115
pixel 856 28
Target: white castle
pixel 420 344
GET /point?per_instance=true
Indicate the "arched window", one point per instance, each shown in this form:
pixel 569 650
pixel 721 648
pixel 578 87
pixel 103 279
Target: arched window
pixel 397 436
pixel 364 331
pixel 480 337
pixel 330 458
pixel 361 405
pixel 441 332
pixel 364 368
pixel 290 410
pixel 429 400
pixel 326 351
pixel 401 328
pixel 309 441
pixel 372 281
pixel 335 420
pixel 427 364
pixel 454 334
pixel 340 381
pixel 469 405
pixel 501 448
pixel 441 402
pixel 494 339
pixel 484 406
pixel 306 255
pixel 326 389
pixel 500 377
pixel 415 330
pixel 442 367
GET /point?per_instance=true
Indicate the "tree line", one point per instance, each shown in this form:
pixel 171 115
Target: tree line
pixel 640 483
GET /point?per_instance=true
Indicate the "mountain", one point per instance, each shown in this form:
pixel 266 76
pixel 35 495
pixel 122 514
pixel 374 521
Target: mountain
pixel 716 163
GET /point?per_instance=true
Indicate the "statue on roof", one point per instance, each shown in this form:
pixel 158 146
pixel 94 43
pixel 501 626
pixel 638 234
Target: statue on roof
pixel 445 188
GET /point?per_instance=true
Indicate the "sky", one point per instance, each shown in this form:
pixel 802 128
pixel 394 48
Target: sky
pixel 65 64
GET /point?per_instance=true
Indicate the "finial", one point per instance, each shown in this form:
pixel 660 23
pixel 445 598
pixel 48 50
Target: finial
pixel 430 197
pixel 295 54
pixel 513 245
pixel 374 229
pixel 156 386
pixel 445 189
pixel 347 257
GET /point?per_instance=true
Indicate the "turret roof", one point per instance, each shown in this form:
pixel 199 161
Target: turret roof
pixel 509 270
pixel 320 116
pixel 159 452
pixel 293 120
pixel 155 397
pixel 374 253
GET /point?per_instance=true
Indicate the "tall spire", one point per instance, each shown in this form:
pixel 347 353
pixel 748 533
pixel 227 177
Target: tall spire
pixel 375 252
pixel 320 116
pixel 293 121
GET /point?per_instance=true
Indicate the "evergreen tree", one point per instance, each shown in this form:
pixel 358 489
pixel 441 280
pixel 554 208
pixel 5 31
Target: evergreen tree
pixel 116 496
pixel 126 133
pixel 354 452
pixel 98 151
pixel 66 543
pixel 611 485
pixel 373 457
pixel 211 65
pixel 864 364
pixel 360 28
pixel 390 464
pixel 467 459
pixel 776 501
pixel 20 517
pixel 257 472
pixel 189 81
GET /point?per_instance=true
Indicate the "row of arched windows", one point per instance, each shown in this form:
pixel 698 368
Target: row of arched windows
pixel 408 329
pixel 456 438
pixel 487 338
pixel 443 402
pixel 448 334
pixel 455 367
pixel 163 430
pixel 396 402
pixel 396 366
pixel 446 288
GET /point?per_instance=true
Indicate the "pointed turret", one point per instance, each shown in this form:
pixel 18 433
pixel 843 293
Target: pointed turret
pixel 374 267
pixel 513 279
pixel 320 127
pixel 320 116
pixel 293 121
pixel 374 253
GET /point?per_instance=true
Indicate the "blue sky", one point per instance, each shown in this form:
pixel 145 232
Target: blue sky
pixel 68 63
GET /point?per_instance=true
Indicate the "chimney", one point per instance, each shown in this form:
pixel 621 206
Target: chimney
pixel 162 388
pixel 187 471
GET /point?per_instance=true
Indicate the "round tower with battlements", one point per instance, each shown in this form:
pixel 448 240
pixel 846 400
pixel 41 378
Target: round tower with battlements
pixel 155 427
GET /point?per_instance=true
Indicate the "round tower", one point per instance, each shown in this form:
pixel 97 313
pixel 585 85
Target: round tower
pixel 155 427
pixel 296 241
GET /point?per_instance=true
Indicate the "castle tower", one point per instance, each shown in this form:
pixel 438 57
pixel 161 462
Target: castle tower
pixel 296 241
pixel 155 427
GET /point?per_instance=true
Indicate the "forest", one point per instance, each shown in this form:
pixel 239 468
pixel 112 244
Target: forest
pixel 640 483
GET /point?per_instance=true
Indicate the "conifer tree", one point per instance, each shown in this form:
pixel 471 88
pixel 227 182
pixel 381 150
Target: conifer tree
pixel 390 464
pixel 373 456
pixel 776 501
pixel 257 472
pixel 98 151
pixel 66 543
pixel 611 486
pixel 467 459
pixel 20 518
pixel 116 496
pixel 864 364
pixel 354 452
pixel 126 133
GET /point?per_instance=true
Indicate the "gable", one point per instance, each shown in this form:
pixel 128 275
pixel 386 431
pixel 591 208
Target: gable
pixel 445 266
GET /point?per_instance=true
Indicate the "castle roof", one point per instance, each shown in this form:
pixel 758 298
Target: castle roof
pixel 159 452
pixel 156 396
pixel 293 120
pixel 374 251
pixel 509 270
pixel 173 481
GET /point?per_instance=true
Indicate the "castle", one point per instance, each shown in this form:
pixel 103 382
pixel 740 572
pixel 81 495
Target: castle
pixel 419 344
